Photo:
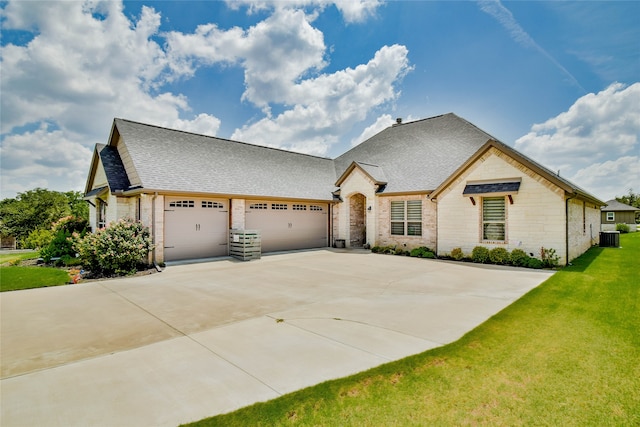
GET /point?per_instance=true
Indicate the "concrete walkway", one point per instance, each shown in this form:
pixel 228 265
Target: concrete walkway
pixel 204 339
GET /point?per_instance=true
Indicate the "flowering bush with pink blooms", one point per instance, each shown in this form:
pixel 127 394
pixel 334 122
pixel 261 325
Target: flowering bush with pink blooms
pixel 118 249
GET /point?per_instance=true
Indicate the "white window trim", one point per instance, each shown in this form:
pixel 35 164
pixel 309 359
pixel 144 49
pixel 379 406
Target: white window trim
pixel 611 216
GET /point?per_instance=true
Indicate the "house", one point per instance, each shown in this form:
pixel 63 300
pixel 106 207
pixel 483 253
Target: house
pixel 618 213
pixel 439 182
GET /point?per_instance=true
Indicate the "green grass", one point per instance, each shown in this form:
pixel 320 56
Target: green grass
pixel 11 257
pixel 567 353
pixel 16 278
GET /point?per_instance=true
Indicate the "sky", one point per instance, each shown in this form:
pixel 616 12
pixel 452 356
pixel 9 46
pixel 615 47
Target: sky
pixel 558 81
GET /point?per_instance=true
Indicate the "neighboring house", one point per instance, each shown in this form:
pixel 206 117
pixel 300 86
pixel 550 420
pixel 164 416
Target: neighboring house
pixel 438 182
pixel 618 213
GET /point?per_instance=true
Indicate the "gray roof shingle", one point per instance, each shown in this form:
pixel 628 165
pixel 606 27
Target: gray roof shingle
pixel 114 169
pixel 616 206
pixel 417 156
pixel 420 155
pixel 173 160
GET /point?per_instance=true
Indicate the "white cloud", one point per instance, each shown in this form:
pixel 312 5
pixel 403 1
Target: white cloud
pixel 44 158
pixel 86 64
pixel 379 125
pixel 328 105
pixel 611 178
pixel 597 131
pixel 352 10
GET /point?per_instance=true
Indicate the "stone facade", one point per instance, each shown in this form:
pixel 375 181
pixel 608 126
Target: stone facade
pixel 535 219
pixel 584 226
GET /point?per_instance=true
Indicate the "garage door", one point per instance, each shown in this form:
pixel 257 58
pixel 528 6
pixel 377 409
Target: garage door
pixel 195 228
pixel 286 226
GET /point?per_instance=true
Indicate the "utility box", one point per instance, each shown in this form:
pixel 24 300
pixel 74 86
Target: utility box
pixel 609 239
pixel 245 245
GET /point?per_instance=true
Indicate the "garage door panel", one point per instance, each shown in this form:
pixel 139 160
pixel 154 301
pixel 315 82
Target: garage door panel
pixel 195 228
pixel 288 226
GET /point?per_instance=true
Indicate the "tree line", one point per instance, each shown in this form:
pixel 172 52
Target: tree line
pixel 38 209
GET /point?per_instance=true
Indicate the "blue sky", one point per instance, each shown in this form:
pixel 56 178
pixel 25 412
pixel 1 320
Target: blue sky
pixel 559 81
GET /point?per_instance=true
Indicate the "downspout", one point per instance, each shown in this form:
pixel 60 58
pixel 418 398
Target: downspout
pixel 437 213
pixel 566 223
pixel 153 229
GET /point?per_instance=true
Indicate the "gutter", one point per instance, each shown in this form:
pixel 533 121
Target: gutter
pixel 153 227
pixel 435 200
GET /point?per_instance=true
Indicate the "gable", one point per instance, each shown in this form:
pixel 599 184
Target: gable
pixel 418 156
pixel 521 165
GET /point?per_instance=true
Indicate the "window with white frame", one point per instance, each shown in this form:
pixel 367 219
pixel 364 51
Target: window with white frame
pixel 406 218
pixel 611 216
pixel 494 215
pixel 102 213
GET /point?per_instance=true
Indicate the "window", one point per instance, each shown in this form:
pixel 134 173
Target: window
pixel 611 216
pixel 182 204
pixel 258 206
pixel 211 205
pixel 279 206
pixel 406 218
pixel 493 218
pixel 102 213
pixel 299 207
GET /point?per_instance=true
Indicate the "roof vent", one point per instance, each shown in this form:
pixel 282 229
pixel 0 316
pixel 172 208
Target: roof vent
pixel 399 120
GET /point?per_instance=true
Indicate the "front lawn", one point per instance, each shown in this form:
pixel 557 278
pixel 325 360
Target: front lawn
pixel 17 278
pixel 567 353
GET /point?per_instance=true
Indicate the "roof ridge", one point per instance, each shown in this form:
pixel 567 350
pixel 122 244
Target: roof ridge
pixel 221 139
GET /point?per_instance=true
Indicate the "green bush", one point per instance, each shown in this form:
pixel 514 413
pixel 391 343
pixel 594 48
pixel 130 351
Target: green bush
pixel 499 256
pixel 117 249
pixel 549 257
pixel 38 239
pixel 61 245
pixel 534 263
pixel 480 254
pixel 375 249
pixel 519 258
pixel 422 252
pixel 622 228
pixel 457 254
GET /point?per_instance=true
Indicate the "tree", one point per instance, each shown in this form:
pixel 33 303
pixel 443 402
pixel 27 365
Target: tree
pixel 38 209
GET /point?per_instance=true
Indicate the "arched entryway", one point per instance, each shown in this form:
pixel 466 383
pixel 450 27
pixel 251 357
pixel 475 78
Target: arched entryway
pixel 357 220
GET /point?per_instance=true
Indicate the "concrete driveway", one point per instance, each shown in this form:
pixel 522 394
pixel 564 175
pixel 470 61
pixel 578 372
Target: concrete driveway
pixel 204 339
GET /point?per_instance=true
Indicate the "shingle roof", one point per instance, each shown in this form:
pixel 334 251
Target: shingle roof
pixel 497 187
pixel 174 160
pixel 616 206
pixel 114 169
pixel 418 156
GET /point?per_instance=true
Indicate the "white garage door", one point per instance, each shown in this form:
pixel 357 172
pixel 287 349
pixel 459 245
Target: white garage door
pixel 287 226
pixel 195 228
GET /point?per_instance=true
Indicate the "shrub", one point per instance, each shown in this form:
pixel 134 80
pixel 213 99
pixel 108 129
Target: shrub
pixel 534 263
pixel 622 228
pixel 480 254
pixel 519 258
pixel 117 249
pixel 61 244
pixel 457 254
pixel 422 252
pixel 375 249
pixel 549 257
pixel 38 239
pixel 499 256
pixel 402 252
